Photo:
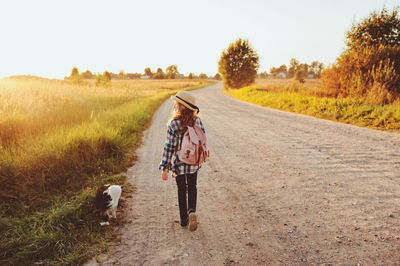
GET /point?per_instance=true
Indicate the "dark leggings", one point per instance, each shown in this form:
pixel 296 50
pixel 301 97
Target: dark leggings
pixel 187 183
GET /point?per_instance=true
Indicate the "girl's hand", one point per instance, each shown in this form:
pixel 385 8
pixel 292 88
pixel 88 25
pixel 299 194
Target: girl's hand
pixel 164 174
pixel 173 175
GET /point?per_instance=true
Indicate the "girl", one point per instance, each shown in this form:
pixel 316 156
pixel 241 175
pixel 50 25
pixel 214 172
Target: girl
pixel 185 114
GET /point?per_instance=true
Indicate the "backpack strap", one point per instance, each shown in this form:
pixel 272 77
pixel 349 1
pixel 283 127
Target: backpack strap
pixel 176 146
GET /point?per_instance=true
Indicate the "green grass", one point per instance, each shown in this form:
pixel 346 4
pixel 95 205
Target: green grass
pixel 385 117
pixel 58 143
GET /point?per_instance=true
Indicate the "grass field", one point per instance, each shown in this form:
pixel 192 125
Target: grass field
pixel 58 142
pixel 311 99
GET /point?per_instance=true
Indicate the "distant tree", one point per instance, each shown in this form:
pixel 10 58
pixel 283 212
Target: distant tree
pixel 293 67
pixel 147 71
pixel 191 75
pixel 316 68
pixel 263 75
pixel 87 74
pixel 172 71
pixel 303 68
pixel 203 76
pixel 159 74
pixel 107 75
pixel 217 76
pixel 75 78
pixel 238 64
pixel 283 68
pixel 300 76
pixel 122 74
pixel 74 73
pixel 273 71
pixel 103 80
pixel 99 79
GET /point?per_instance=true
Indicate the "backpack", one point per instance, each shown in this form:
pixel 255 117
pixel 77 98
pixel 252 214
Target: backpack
pixel 194 149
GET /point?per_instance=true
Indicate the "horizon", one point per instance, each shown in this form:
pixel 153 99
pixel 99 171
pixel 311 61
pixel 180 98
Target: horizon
pixel 47 39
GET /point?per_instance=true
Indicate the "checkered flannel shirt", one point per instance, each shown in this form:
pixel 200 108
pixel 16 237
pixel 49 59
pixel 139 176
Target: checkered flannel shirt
pixel 172 141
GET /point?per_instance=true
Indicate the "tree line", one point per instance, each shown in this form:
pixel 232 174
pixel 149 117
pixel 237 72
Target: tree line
pixel 368 69
pixel 305 70
pixel 171 72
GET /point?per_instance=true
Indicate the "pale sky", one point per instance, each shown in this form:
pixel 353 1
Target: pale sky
pixel 48 38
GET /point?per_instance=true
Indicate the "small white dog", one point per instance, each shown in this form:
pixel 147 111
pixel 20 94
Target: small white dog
pixel 107 198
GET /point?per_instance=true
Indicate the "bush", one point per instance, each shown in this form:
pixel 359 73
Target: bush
pixel 300 76
pixel 87 74
pixel 203 76
pixel 365 73
pixel 104 80
pixel 238 64
pixel 369 68
pixel 172 72
pixel 160 74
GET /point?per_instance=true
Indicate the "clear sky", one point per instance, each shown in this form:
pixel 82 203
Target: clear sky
pixel 48 38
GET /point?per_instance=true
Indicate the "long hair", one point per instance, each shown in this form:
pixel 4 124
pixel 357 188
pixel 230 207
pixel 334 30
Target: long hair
pixel 185 116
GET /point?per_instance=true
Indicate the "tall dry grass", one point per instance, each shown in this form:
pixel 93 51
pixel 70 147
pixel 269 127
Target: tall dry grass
pixel 31 106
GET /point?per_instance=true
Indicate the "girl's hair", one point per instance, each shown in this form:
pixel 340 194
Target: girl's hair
pixel 185 116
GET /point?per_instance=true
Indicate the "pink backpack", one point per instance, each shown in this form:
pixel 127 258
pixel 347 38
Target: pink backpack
pixel 194 149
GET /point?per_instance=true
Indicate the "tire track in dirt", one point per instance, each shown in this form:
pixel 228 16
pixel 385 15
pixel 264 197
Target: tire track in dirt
pixel 280 188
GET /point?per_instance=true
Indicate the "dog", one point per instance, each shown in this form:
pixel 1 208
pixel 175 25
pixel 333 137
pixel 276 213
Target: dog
pixel 107 198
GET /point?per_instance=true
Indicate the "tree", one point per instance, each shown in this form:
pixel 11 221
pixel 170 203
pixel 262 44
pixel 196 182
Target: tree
pixel 122 74
pixel 74 73
pixel 293 67
pixel 191 76
pixel 238 64
pixel 283 68
pixel 275 71
pixel 300 76
pixel 217 76
pixel 303 68
pixel 172 71
pixel 203 76
pixel 87 74
pixel 159 74
pixel 316 68
pixel 107 75
pixel 148 72
pixel 263 75
pixel 104 80
pixel 75 78
pixel 377 29
pixel 369 68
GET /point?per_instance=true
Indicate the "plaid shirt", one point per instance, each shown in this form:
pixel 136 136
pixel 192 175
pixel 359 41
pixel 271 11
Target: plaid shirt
pixel 172 141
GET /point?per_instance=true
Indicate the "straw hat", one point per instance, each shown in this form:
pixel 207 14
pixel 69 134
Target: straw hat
pixel 186 99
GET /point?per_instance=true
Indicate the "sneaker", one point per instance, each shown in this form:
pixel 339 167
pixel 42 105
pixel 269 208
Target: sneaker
pixel 192 221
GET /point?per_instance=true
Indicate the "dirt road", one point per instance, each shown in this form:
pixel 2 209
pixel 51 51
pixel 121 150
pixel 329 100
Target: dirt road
pixel 280 189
